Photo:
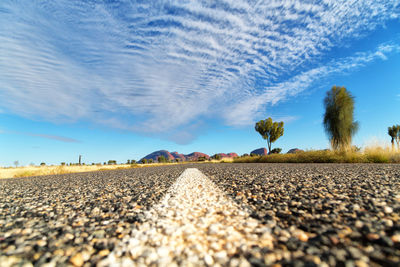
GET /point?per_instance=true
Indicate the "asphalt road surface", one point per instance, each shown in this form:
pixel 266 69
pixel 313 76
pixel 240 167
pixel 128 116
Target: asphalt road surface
pixel 205 215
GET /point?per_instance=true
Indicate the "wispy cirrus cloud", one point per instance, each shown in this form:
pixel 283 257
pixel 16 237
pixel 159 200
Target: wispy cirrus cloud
pixel 46 136
pixel 155 67
pixel 245 110
pixel 54 137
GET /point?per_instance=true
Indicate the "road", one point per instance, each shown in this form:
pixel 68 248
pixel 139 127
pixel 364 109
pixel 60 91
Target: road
pixel 205 214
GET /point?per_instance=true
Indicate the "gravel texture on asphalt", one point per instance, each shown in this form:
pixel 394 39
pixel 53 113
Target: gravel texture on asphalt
pixel 194 224
pixel 75 218
pixel 318 214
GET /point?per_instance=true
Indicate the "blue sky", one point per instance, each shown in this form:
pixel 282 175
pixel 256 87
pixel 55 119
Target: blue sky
pixel 120 79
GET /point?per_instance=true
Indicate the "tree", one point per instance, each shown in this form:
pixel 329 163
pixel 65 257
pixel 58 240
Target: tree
pixel 161 158
pixel 269 130
pixel 338 118
pixel 394 132
pixel 16 163
pixel 216 157
pixel 202 158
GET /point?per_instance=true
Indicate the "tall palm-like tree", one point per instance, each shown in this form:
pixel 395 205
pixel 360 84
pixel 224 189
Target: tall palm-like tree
pixel 338 118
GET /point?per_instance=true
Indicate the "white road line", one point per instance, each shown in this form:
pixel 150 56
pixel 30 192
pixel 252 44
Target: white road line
pixel 194 224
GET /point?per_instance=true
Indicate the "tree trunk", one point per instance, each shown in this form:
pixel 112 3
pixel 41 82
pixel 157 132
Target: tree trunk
pixel 269 147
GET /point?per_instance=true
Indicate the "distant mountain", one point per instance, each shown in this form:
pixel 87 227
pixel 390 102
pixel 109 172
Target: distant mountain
pixel 229 155
pixel 260 151
pixel 154 156
pixel 196 155
pixel 176 155
pixel 172 156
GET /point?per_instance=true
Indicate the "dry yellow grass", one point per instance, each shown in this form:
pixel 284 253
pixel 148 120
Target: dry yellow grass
pixel 49 170
pixel 223 160
pixel 367 155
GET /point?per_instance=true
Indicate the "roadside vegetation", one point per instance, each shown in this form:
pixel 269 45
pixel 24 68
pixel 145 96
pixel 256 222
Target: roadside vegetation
pixel 340 127
pixel 369 155
pixel 59 169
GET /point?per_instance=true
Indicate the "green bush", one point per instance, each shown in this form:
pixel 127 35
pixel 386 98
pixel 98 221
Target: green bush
pixel 216 157
pixel 276 150
pixel 201 159
pixel 161 159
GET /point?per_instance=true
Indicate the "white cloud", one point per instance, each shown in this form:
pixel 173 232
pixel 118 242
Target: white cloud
pixel 46 136
pixel 246 111
pixel 159 66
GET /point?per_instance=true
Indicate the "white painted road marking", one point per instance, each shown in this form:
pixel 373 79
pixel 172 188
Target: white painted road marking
pixel 194 224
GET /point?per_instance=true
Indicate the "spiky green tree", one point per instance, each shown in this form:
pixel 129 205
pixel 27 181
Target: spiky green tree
pixel 394 133
pixel 338 118
pixel 269 130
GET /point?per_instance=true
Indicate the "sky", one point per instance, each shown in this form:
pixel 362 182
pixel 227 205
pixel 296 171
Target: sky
pixel 121 79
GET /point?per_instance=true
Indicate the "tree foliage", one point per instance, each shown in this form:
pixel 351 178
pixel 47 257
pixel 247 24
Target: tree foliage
pixel 338 118
pixel 112 162
pixel 269 130
pixel 276 150
pixel 216 157
pixel 394 133
pixel 161 158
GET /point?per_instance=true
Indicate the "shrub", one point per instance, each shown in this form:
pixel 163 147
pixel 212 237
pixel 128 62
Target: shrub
pixel 202 158
pixel 112 162
pixel 216 156
pixel 276 150
pixel 62 163
pixel 161 159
